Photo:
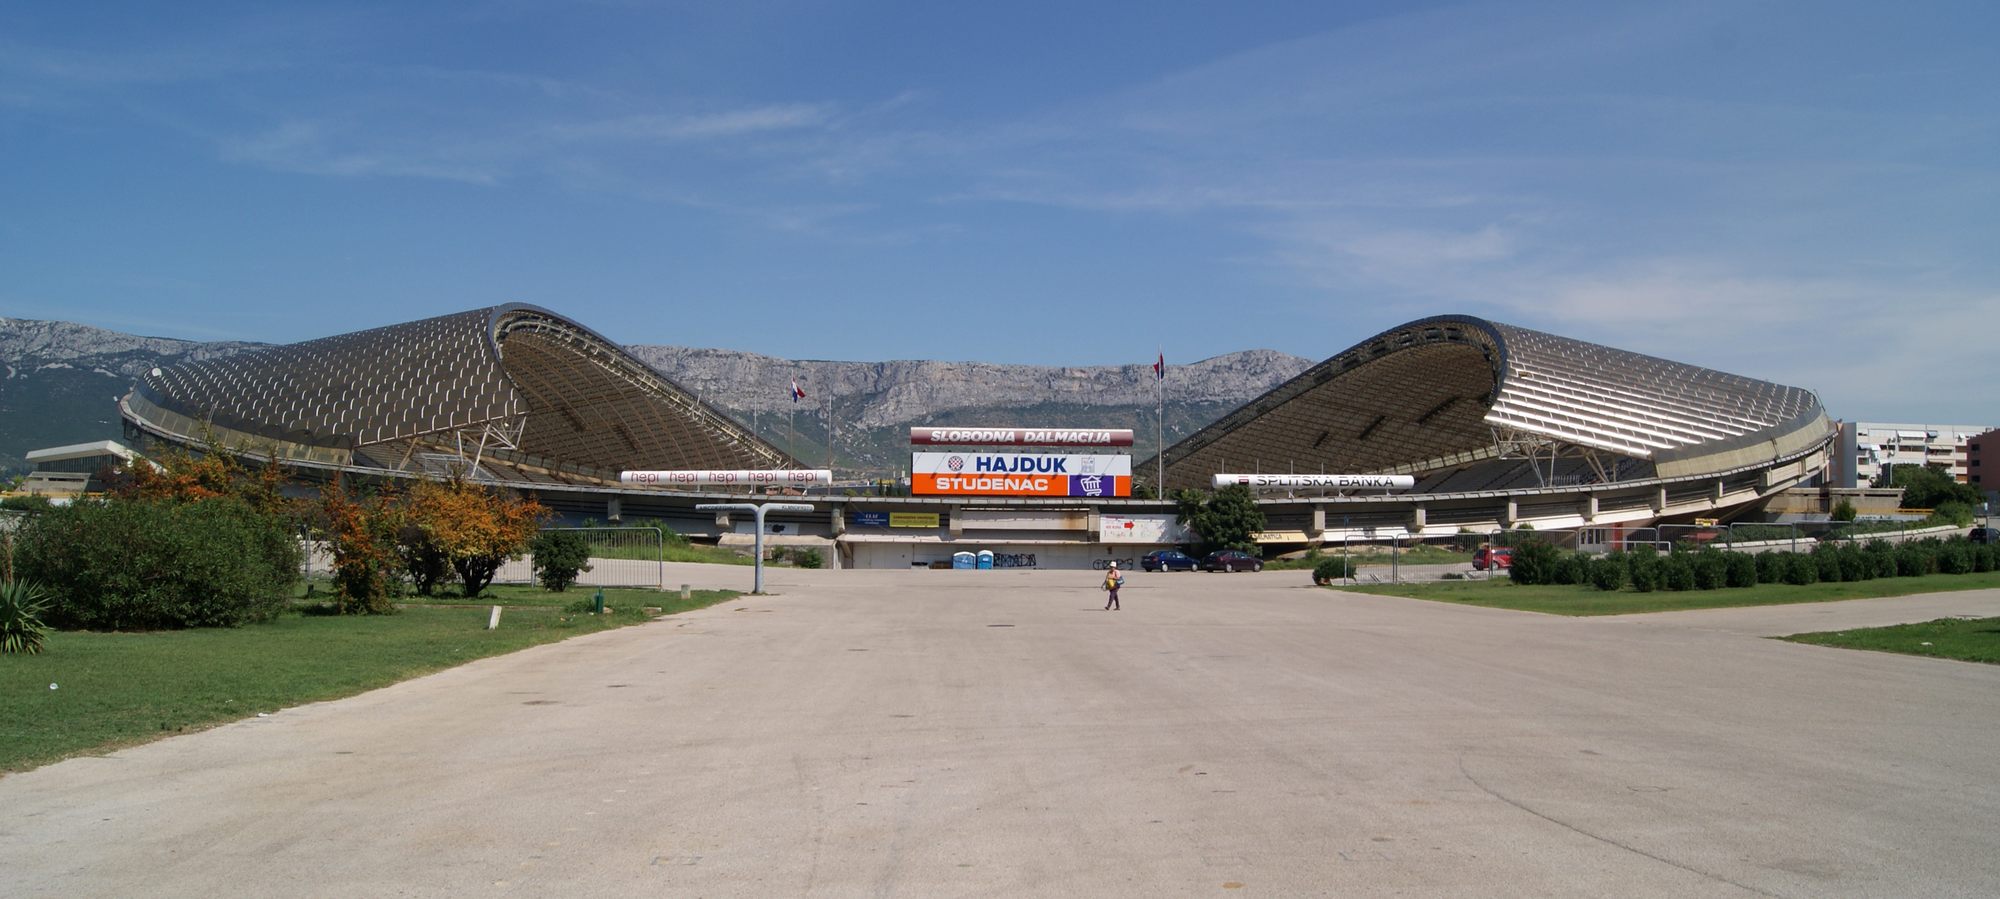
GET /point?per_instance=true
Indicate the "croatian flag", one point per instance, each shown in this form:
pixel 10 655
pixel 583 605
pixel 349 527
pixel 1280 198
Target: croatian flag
pixel 1160 367
pixel 797 394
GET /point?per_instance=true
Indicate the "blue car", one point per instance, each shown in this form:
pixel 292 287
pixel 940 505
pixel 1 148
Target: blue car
pixel 1168 560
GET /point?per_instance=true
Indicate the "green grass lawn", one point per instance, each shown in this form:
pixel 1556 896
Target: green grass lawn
pixel 1964 639
pixel 114 689
pixel 1500 593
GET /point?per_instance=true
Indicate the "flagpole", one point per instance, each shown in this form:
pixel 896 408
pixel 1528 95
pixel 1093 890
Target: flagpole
pixel 1160 427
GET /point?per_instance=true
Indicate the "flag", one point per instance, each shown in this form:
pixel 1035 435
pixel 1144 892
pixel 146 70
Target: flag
pixel 1160 367
pixel 797 394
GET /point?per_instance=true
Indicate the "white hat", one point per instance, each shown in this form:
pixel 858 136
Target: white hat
pixel 1114 564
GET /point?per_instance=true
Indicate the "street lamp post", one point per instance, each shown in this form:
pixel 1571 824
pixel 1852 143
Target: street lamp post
pixel 758 510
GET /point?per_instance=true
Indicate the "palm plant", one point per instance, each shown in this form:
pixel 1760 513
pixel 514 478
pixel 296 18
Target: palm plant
pixel 21 606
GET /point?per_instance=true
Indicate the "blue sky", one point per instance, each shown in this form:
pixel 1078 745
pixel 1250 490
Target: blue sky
pixel 1803 192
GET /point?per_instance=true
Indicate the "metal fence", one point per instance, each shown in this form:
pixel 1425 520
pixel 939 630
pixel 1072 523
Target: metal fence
pixel 619 557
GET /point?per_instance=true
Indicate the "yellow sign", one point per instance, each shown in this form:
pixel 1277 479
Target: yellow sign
pixel 913 519
pixel 1704 522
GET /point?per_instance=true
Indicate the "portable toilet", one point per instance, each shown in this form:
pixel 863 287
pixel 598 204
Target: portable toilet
pixel 985 560
pixel 963 560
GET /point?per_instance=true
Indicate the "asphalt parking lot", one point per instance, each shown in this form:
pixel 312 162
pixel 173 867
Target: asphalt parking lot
pixel 996 734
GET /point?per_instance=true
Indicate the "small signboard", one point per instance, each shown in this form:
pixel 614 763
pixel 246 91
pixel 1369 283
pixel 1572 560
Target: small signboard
pixel 913 519
pixel 868 519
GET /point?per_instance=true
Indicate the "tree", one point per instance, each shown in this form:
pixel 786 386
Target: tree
pixel 1928 486
pixel 559 557
pixel 475 529
pixel 362 537
pixel 1227 519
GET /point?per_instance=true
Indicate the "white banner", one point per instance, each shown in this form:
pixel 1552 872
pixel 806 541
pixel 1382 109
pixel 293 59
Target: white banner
pixel 970 463
pixel 1021 436
pixel 1143 528
pixel 1320 481
pixel 787 477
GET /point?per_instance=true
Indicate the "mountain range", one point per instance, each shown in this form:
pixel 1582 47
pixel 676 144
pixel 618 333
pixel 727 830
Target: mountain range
pixel 62 380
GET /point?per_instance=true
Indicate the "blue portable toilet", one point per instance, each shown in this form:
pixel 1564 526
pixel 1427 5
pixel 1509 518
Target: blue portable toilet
pixel 985 560
pixel 963 561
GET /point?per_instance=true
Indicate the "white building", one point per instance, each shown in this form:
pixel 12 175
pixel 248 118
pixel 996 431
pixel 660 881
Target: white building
pixel 1869 447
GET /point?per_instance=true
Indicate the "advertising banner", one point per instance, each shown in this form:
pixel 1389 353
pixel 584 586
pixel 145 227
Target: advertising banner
pixel 1319 481
pixel 790 477
pixel 1021 436
pixel 1019 474
pixel 1143 528
pixel 913 519
pixel 868 519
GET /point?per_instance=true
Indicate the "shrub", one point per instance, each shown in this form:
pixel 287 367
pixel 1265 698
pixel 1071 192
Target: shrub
pixel 127 564
pixel 1952 512
pixel 1884 557
pixel 1826 562
pixel 1741 570
pixel 1914 560
pixel 1843 510
pixel 1771 567
pixel 1677 572
pixel 1985 557
pixel 22 604
pixel 808 558
pixel 366 561
pixel 1855 565
pixel 1955 558
pixel 1571 568
pixel 559 557
pixel 32 502
pixel 1609 572
pixel 1333 568
pixel 1534 562
pixel 1711 568
pixel 1800 569
pixel 1644 565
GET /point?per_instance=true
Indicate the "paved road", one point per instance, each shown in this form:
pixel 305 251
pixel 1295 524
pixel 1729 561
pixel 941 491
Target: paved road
pixel 996 734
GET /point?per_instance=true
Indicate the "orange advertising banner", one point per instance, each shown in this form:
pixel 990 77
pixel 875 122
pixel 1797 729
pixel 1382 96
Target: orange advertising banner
pixel 928 484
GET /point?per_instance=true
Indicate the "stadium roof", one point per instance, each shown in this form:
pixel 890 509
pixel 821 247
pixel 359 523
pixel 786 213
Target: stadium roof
pixel 1453 390
pixel 515 385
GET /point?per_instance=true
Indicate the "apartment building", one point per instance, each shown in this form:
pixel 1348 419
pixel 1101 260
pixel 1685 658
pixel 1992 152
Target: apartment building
pixel 1868 447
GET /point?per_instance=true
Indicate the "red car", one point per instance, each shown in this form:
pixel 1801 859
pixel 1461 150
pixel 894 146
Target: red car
pixel 1231 560
pixel 1491 557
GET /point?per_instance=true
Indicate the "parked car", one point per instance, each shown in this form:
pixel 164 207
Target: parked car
pixel 1168 560
pixel 1231 560
pixel 1983 535
pixel 1493 557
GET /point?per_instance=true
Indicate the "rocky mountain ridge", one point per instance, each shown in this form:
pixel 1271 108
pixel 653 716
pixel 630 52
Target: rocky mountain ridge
pixel 59 382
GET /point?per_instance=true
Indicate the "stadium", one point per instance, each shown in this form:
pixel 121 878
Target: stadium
pixel 1493 426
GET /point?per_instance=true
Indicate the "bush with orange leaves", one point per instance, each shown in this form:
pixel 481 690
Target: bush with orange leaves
pixel 361 535
pixel 472 528
pixel 177 475
pixel 433 532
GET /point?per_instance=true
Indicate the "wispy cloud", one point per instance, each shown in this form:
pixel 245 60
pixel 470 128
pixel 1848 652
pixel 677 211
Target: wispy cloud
pixel 309 148
pixel 705 126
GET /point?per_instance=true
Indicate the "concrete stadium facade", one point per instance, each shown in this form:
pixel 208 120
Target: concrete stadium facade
pixel 1500 427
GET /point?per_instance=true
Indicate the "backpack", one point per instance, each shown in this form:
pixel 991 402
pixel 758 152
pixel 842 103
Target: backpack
pixel 1113 580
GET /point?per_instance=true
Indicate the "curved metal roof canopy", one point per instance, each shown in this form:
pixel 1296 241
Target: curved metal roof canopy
pixel 517 382
pixel 1453 390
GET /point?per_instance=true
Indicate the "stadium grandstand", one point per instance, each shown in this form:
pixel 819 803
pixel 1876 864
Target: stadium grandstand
pixel 510 394
pixel 1499 426
pixel 1503 426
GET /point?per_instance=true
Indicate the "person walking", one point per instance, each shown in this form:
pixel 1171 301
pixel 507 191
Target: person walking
pixel 1112 581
